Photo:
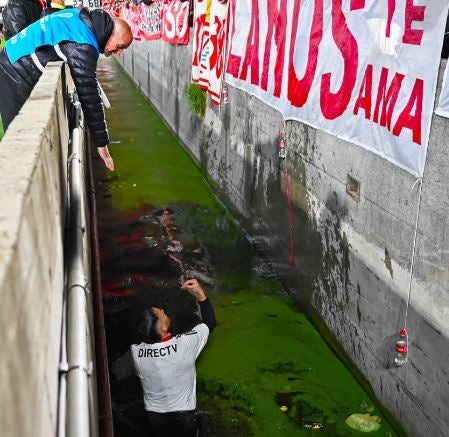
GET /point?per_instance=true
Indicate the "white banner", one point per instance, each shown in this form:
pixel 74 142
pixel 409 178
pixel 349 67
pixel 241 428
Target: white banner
pixel 363 70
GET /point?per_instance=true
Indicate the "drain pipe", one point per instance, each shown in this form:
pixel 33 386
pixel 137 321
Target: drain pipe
pixel 104 390
pixel 78 368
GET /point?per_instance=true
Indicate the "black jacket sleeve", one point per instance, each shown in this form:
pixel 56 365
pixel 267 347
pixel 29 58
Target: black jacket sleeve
pixel 208 314
pixel 19 14
pixel 82 61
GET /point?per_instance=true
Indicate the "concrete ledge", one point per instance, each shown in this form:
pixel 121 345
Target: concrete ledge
pixel 33 162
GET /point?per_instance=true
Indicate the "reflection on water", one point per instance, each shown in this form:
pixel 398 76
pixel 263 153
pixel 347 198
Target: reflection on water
pixel 265 371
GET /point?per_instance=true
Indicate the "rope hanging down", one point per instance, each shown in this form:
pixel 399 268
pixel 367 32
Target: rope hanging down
pixel 402 342
pixel 418 181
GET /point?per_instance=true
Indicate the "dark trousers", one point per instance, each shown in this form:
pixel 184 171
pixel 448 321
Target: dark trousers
pixel 174 424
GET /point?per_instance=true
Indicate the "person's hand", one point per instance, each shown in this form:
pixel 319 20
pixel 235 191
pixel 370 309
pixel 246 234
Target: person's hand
pixel 194 286
pixel 106 157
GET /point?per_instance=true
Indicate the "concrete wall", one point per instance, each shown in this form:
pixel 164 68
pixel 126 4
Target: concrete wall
pixel 33 201
pixel 352 257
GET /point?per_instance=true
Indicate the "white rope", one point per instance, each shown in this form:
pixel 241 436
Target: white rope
pixel 59 53
pixel 418 181
pixel 37 62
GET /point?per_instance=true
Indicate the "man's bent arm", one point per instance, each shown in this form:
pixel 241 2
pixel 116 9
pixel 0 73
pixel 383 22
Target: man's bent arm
pixel 208 314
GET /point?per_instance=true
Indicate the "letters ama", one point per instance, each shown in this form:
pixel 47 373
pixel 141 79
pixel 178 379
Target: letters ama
pixel 387 96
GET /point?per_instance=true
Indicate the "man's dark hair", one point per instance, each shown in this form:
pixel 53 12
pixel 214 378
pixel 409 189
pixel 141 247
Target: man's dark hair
pixel 146 327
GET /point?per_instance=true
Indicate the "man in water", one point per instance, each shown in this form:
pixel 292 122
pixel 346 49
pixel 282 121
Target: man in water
pixel 166 367
pixel 77 38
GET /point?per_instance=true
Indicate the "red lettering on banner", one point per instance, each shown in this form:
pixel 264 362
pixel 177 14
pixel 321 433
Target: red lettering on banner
pixel 234 61
pixel 298 89
pixel 387 98
pixel 364 99
pixel 386 102
pixel 169 23
pixel 175 24
pixel 334 104
pixel 412 13
pixel 357 4
pixel 217 39
pixel 391 8
pixel 199 44
pixel 277 17
pixel 406 119
pixel 252 47
pixel 234 65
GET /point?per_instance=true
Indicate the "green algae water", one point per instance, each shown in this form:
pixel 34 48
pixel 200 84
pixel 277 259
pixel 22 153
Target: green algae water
pixel 265 371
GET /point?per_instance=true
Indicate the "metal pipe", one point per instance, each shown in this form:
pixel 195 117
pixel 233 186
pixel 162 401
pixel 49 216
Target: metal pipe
pixel 62 401
pixel 78 370
pixel 104 390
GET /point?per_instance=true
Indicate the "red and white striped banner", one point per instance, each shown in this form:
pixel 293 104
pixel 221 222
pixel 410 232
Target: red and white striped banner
pixel 167 19
pixel 175 23
pixel 209 45
pixel 150 20
pixel 131 13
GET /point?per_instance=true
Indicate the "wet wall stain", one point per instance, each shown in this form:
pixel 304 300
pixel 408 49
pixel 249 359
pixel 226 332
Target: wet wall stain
pixel 387 261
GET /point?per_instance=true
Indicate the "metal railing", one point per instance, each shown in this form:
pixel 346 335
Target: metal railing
pixel 75 415
pixel 79 369
pixel 75 369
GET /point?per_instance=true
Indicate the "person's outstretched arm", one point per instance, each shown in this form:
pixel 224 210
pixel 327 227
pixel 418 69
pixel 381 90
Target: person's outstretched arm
pixel 82 61
pixel 206 308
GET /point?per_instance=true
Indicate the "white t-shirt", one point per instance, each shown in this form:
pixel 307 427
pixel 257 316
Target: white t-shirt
pixel 167 370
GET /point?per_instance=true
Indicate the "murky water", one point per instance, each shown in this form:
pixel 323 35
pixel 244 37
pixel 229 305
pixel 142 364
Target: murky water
pixel 265 370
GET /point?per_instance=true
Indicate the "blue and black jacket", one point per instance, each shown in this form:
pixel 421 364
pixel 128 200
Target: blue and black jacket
pixel 78 44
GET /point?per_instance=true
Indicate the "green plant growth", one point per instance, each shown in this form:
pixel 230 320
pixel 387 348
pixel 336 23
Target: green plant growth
pixel 2 132
pixel 197 99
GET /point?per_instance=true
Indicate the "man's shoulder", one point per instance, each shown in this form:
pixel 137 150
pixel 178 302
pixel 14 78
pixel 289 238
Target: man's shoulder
pixel 134 347
pixel 200 330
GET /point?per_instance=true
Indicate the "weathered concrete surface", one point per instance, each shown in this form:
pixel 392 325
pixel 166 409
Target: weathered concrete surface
pixel 352 258
pixel 33 201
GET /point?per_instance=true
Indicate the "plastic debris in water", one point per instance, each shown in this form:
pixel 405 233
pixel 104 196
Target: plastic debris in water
pixel 312 425
pixel 175 246
pixel 284 408
pixel 363 422
pixel 150 241
pixel 366 407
